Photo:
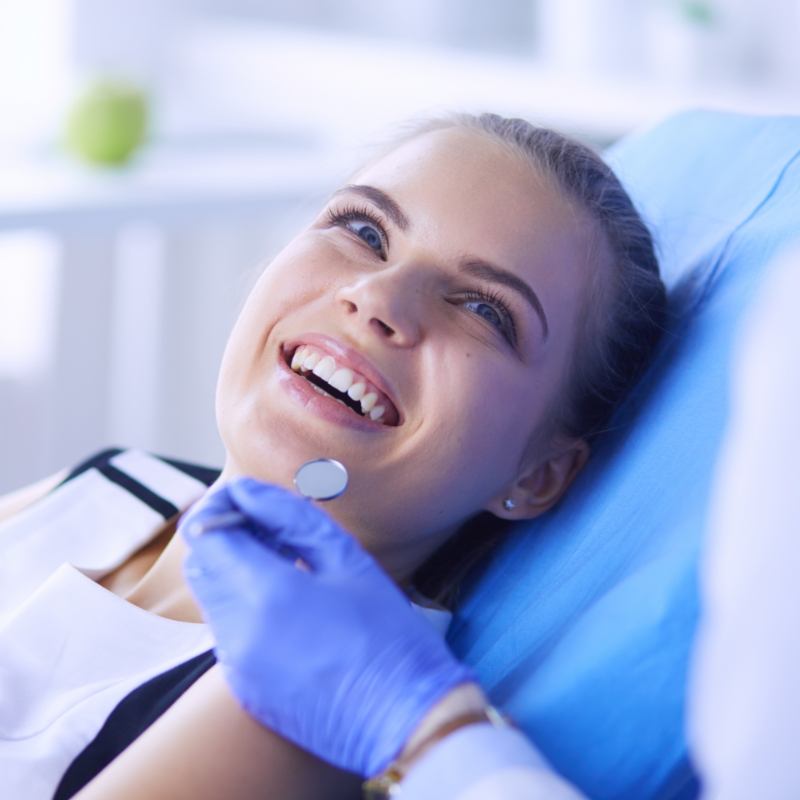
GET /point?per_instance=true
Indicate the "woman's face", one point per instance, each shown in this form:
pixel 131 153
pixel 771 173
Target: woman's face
pixel 448 281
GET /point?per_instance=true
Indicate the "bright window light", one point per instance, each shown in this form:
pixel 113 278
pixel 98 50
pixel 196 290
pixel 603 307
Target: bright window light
pixel 28 293
pixel 34 70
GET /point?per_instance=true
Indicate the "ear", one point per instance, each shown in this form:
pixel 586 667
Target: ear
pixel 540 486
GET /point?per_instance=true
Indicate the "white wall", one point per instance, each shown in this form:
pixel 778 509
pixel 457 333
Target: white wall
pixel 116 300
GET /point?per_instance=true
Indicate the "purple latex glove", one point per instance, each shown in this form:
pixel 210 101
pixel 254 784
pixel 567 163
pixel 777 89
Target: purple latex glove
pixel 334 658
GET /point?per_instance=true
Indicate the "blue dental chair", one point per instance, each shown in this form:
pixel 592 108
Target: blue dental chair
pixel 581 625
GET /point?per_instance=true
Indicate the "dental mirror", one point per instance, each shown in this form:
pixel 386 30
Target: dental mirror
pixel 321 479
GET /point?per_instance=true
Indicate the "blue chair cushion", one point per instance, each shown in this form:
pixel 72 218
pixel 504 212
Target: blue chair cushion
pixel 581 625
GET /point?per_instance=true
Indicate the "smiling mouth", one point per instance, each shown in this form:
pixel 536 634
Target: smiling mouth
pixel 343 384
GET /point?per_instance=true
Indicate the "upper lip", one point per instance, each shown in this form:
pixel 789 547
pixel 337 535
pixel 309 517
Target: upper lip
pixel 346 356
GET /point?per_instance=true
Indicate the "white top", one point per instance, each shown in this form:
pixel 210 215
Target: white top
pixel 744 721
pixel 71 650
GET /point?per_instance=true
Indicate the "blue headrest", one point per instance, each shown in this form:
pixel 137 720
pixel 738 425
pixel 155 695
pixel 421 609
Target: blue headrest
pixel 582 623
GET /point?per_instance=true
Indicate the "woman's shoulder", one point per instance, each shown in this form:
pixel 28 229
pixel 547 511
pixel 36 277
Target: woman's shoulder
pixel 20 499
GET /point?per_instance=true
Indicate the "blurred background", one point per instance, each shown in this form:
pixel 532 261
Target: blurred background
pixel 119 281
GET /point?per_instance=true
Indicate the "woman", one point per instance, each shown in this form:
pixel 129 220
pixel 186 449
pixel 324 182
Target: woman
pixel 475 303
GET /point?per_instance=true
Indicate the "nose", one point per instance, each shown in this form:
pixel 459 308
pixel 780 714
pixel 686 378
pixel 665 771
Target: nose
pixel 388 303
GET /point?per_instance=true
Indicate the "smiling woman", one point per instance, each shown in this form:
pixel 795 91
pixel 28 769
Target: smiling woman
pixel 499 293
pixel 426 326
pixel 455 327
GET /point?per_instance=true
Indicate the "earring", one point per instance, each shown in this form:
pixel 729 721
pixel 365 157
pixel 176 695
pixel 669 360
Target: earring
pixel 509 504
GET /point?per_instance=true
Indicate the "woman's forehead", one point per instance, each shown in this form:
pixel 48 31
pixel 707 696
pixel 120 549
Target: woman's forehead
pixel 451 161
pixel 462 190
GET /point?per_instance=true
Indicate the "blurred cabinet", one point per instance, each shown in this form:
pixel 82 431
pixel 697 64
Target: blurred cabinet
pixel 146 270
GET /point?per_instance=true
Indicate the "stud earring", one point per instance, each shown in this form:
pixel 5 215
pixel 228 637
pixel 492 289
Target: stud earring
pixel 509 504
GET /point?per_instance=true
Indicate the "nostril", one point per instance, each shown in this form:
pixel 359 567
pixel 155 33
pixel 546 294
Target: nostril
pixel 384 327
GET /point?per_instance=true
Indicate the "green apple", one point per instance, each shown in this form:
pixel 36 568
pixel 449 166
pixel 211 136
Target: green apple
pixel 108 122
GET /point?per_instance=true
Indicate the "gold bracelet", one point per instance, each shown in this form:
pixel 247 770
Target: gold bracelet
pixel 387 784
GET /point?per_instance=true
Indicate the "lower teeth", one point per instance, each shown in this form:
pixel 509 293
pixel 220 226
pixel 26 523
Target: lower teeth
pixel 331 397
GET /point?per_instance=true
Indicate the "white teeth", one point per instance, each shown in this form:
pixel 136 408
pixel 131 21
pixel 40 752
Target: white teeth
pixel 310 361
pixel 341 379
pixel 368 401
pixel 325 368
pixel 356 391
pixel 297 358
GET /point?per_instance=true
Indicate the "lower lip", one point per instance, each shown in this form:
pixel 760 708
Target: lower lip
pixel 321 405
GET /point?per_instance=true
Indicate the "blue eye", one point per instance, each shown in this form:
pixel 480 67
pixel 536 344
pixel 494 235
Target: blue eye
pixel 490 307
pixel 488 312
pixel 368 234
pixel 365 224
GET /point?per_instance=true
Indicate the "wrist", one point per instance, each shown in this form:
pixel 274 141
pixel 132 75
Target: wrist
pixel 462 702
pixel 462 706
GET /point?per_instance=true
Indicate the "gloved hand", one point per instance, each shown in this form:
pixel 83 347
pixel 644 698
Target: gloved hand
pixel 333 658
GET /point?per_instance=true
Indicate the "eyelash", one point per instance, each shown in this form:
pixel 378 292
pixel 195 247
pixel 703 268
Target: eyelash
pixel 341 216
pixel 495 300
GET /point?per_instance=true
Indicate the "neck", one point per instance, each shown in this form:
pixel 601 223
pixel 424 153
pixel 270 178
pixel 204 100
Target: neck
pixel 162 590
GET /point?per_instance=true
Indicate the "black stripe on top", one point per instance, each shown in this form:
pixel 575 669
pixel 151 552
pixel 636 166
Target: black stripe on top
pixel 92 462
pixel 206 475
pixel 102 463
pixel 139 490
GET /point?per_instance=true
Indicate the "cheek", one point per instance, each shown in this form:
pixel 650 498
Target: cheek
pixel 302 273
pixel 299 272
pixel 297 275
pixel 484 420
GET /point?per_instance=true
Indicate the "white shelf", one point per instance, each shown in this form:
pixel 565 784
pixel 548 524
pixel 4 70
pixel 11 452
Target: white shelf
pixel 163 183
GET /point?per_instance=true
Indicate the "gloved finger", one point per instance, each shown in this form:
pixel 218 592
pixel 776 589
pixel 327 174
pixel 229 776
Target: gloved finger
pixel 299 526
pixel 216 504
pixel 221 508
pixel 253 588
pixel 231 563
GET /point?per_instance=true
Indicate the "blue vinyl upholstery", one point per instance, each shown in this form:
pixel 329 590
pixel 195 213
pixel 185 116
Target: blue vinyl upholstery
pixel 581 625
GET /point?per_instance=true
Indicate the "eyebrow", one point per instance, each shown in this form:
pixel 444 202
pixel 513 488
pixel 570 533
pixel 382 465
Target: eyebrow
pixel 381 199
pixel 472 266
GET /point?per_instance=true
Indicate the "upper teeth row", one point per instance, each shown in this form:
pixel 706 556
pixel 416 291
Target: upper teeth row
pixel 344 379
